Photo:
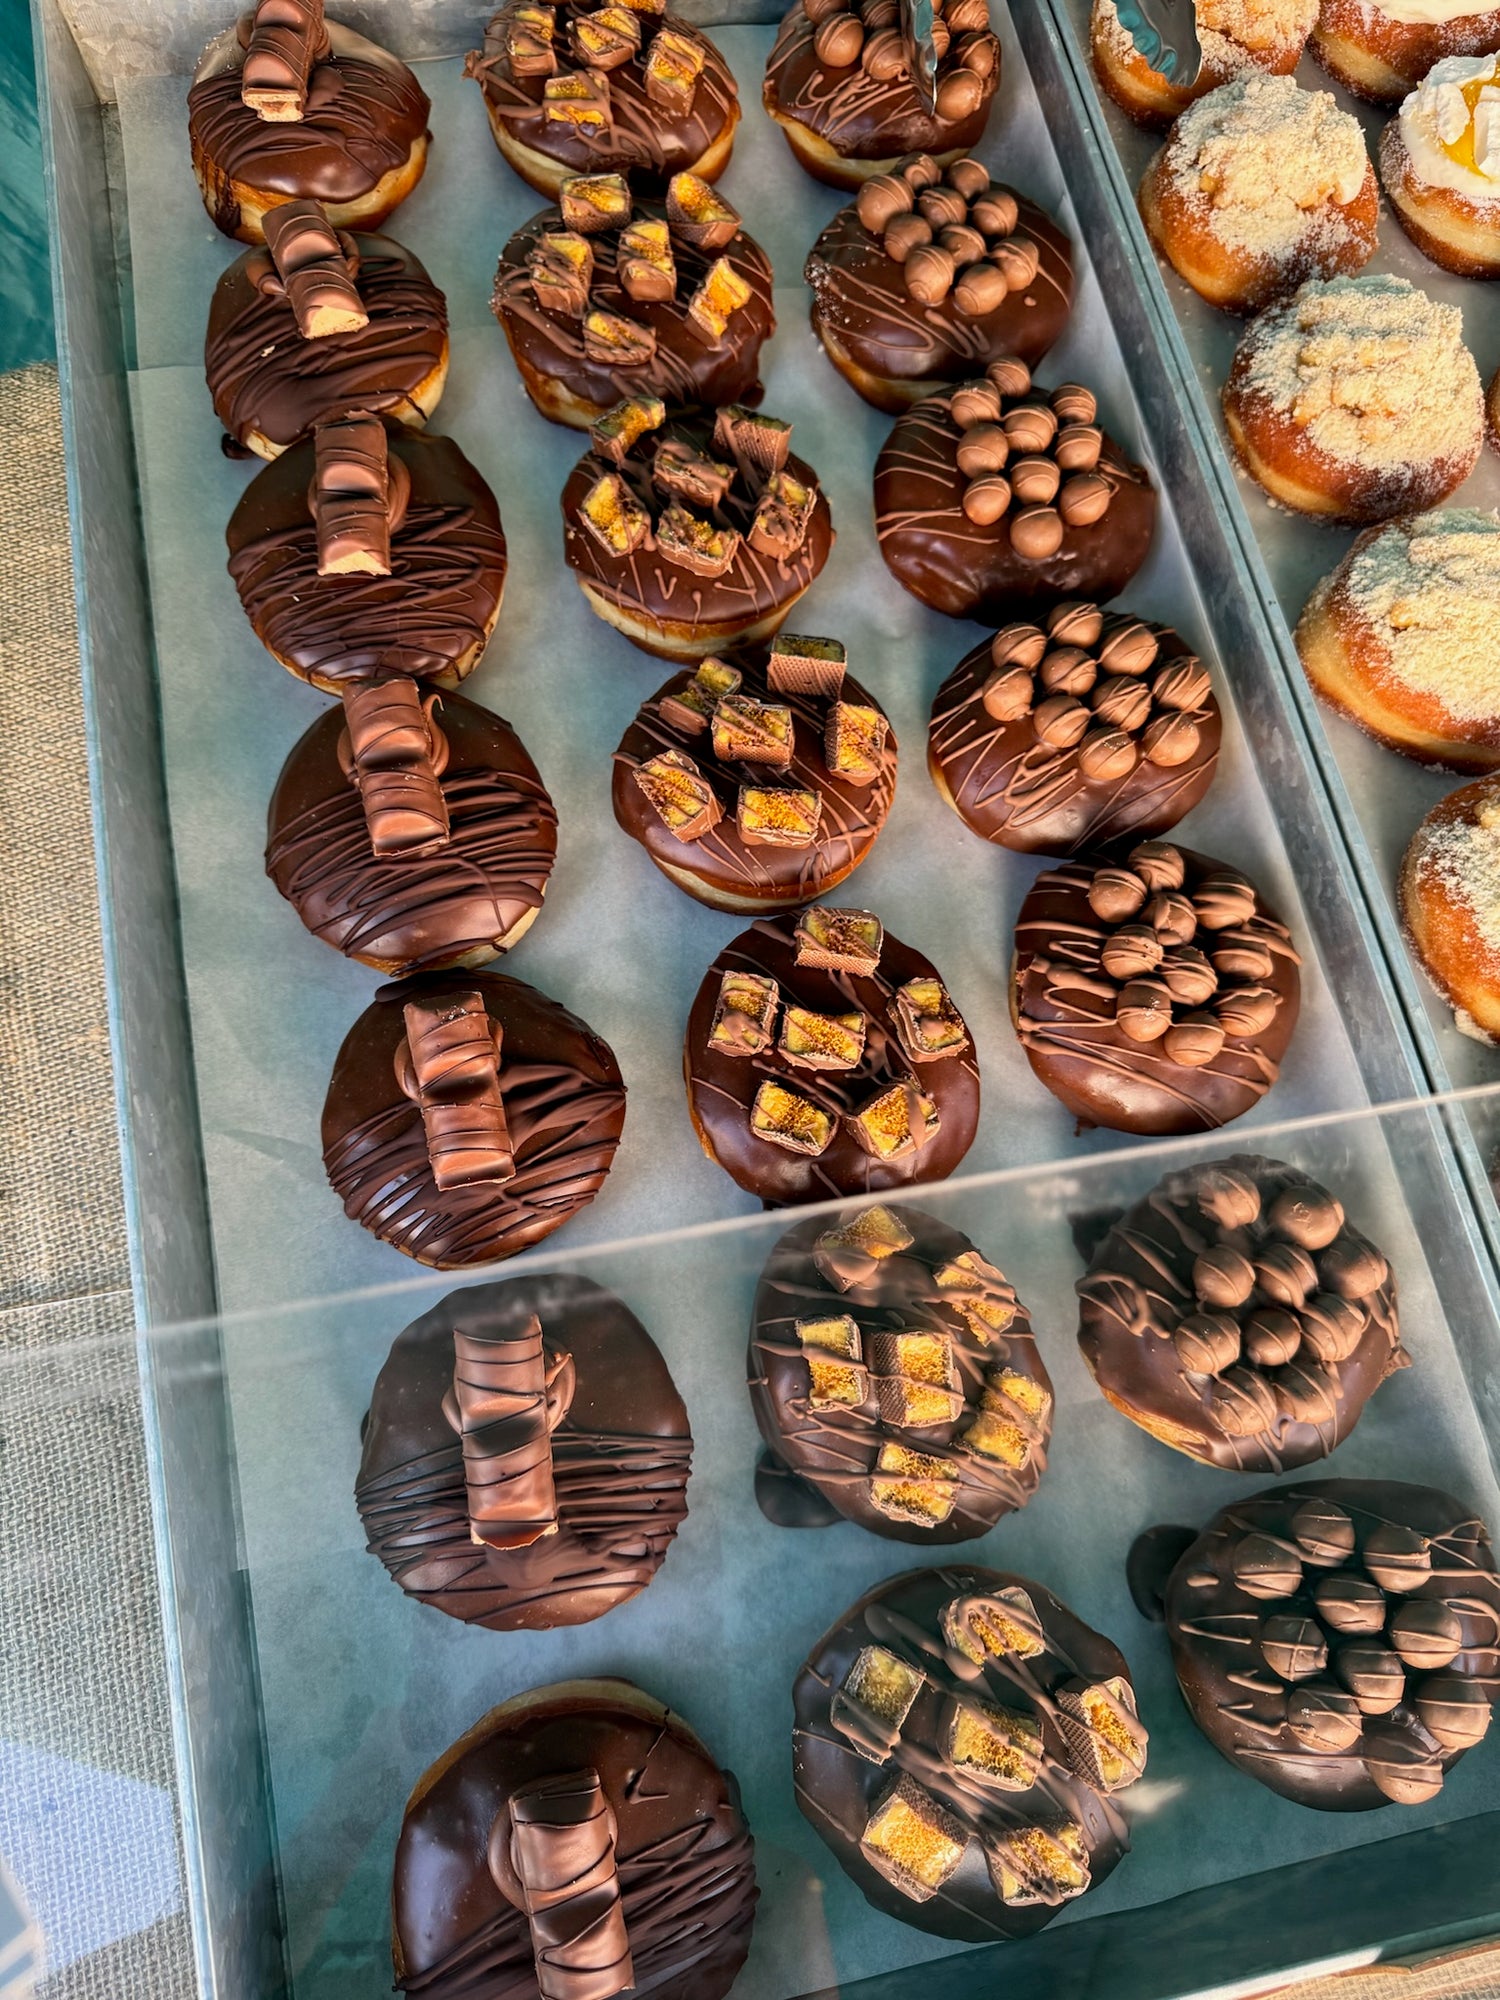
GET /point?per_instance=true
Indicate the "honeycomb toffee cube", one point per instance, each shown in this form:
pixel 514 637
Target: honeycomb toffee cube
pixel 694 544
pixel 839 940
pixel 644 6
pixel 747 731
pixel 593 202
pixel 1103 1731
pixel 835 1362
pixel 916 1379
pixel 722 293
pixel 606 38
pixel 529 38
pixel 822 1041
pixel 1002 1626
pixel 615 341
pixel 613 516
pixel 1038 1864
pixel 913 1841
pixel 897 1123
pixel 689 709
pixel 677 468
pixel 874 1701
pixel 784 1118
pixel 645 263
pixel 673 65
pixel 679 794
pixel 852 1254
pixel 929 1024
pixel 782 514
pixel 854 743
pixel 913 1486
pixel 773 816
pixel 800 664
pixel 757 444
pixel 995 1746
pixel 978 1292
pixel 616 433
pixel 561 268
pixel 699 214
pixel 1007 1425
pixel 745 1014
pixel 579 99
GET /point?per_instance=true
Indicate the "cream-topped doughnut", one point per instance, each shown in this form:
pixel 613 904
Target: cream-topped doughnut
pixel 1380 48
pixel 1440 163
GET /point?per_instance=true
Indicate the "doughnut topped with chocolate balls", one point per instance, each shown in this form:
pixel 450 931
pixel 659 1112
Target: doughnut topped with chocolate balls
pixel 1334 1639
pixel 896 1381
pixel 1153 994
pixel 1087 728
pixel 606 296
pixel 1238 1316
pixel 929 275
pixel 759 783
pixel 824 1057
pixel 623 88
pixel 998 498
pixel 839 84
pixel 693 536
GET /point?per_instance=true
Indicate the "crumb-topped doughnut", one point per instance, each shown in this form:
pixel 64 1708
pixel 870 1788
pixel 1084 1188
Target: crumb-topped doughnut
pixel 317 323
pixel 929 276
pixel 411 834
pixel 525 1458
pixel 1260 186
pixel 286 106
pixel 1403 636
pixel 839 84
pixel 1440 164
pixel 1334 1639
pixel 627 88
pixel 896 1381
pixel 1098 728
pixel 760 783
pixel 1235 36
pixel 469 1116
pixel 696 537
pixel 606 297
pixel 578 1842
pixel 1238 1316
pixel 998 498
pixel 1356 399
pixel 1380 49
pixel 335 602
pixel 1154 994
pixel 1450 904
pixel 959 1735
pixel 824 1057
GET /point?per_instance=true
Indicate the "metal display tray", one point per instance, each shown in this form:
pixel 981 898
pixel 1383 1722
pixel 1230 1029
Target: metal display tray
pixel 231 1364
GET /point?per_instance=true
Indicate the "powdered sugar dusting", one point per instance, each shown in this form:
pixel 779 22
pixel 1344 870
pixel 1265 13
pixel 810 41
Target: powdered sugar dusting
pixel 1234 33
pixel 1462 853
pixel 1429 588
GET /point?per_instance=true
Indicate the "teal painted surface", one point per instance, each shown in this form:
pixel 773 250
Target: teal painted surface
pixel 25 281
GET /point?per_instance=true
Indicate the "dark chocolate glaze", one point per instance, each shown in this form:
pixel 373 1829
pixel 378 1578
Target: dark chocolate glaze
pixel 838 1789
pixel 754 585
pixel 414 912
pixel 1063 1003
pixel 860 299
pixel 448 564
pixel 1012 787
pixel 263 376
pixel 620 1462
pixel 832 1448
pixel 564 1104
pixel 1332 1310
pixel 365 113
pixel 642 139
pixel 1248 1710
pixel 780 877
pixel 863 119
pixel 936 552
pixel 683 1853
pixel 722 1088
pixel 684 371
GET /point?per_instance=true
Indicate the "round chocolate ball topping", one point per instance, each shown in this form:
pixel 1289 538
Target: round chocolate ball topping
pixel 1265 1567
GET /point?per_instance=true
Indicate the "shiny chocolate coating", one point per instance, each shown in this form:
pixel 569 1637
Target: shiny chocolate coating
pixel 1093 997
pixel 828 1446
pixel 1236 1315
pixel 722 1087
pixel 683 1854
pixel 1275 1676
pixel 564 1105
pixel 620 1462
pixel 415 912
pixel 264 377
pixel 448 564
pixel 849 1750
pixel 365 114
pixel 970 567
pixel 1068 753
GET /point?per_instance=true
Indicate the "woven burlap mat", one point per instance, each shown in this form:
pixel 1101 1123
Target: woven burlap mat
pixel 82 1673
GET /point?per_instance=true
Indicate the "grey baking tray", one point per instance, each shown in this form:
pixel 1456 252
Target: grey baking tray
pixel 226 1017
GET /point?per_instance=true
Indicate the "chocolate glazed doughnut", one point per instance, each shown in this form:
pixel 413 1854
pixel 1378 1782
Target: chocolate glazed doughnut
pixel 1335 1639
pixel 582 1827
pixel 1157 995
pixel 1238 1317
pixel 896 1381
pixel 607 1493
pixel 958 1735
